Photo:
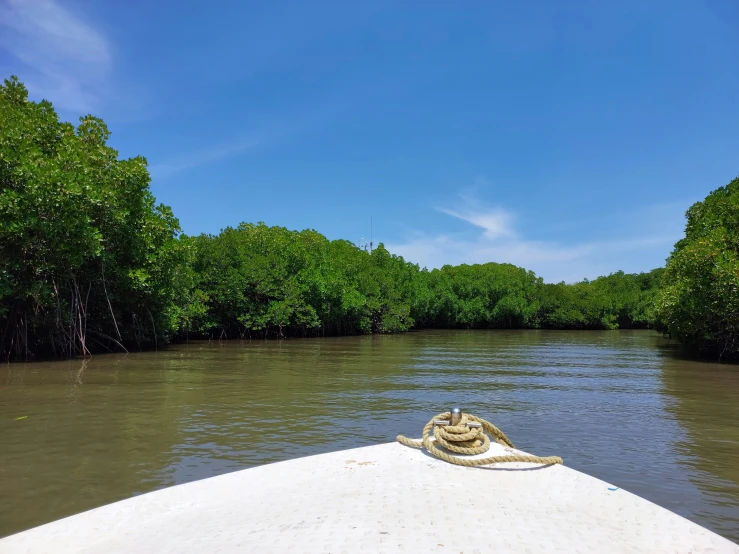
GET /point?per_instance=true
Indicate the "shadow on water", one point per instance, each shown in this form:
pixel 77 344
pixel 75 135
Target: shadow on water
pixel 705 401
pixel 613 404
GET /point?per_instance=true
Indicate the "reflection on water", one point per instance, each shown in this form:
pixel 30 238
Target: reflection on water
pixel 705 401
pixel 615 404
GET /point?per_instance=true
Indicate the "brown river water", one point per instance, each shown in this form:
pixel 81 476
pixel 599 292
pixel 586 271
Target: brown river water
pixel 620 405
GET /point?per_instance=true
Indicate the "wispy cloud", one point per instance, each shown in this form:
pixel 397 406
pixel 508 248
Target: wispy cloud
pixel 282 126
pixel 65 59
pixel 552 260
pixel 270 132
pixel 496 222
pixel 202 157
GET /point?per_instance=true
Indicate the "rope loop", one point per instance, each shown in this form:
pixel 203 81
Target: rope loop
pixel 462 439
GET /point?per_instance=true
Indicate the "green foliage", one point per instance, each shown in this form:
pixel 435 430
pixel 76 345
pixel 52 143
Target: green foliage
pixel 259 281
pixel 89 263
pixel 488 295
pixel 699 304
pixel 269 281
pixel 618 301
pixel 505 296
pixel 86 259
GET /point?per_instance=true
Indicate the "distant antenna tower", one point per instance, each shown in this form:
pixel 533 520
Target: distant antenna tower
pixel 363 245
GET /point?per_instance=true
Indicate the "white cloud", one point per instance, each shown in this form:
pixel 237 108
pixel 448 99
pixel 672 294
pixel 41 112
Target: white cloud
pixel 552 260
pixel 496 222
pixel 65 59
pixel 202 157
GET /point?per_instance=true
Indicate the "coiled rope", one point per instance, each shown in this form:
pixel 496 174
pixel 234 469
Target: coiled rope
pixel 462 439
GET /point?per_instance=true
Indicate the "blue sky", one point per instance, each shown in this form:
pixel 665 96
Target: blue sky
pixel 566 137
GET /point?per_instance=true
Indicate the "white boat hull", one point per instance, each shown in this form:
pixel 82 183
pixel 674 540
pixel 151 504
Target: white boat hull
pixel 386 498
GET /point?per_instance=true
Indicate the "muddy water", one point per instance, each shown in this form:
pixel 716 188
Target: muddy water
pixel 620 405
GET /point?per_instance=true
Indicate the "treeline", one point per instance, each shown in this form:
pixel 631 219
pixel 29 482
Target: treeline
pixel 89 263
pixel 259 281
pixel 698 302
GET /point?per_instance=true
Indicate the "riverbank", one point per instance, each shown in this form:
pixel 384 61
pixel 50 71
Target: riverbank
pixel 90 263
